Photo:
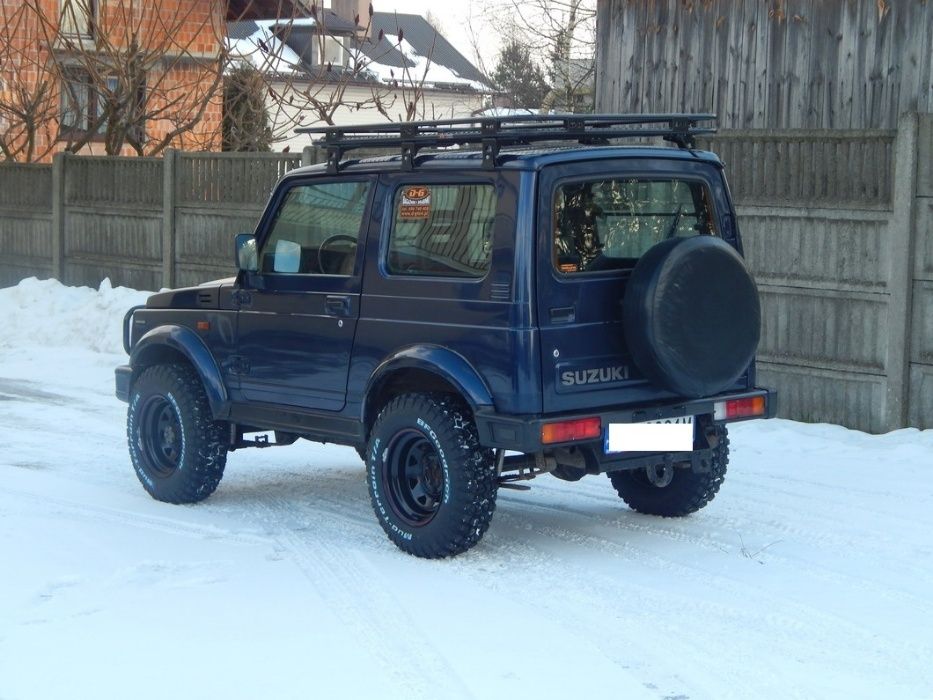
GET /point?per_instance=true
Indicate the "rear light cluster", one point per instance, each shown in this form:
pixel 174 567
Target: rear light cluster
pixel 739 408
pixel 567 430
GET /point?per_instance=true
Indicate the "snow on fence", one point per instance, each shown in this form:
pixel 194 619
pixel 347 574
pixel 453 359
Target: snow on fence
pixel 838 230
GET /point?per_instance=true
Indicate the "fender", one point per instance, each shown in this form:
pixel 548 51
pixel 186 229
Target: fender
pixel 187 342
pixel 440 361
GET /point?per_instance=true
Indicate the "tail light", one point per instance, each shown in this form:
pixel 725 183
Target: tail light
pixel 739 408
pixel 567 430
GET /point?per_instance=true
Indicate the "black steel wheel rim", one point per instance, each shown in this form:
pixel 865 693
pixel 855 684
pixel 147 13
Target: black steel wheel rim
pixel 413 477
pixel 160 436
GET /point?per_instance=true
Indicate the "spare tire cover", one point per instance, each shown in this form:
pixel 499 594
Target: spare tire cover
pixel 691 315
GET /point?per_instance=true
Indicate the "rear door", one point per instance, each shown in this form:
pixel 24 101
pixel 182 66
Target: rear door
pixel 442 277
pixel 596 220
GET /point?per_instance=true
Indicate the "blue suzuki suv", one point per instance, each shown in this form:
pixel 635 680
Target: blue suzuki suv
pixel 491 301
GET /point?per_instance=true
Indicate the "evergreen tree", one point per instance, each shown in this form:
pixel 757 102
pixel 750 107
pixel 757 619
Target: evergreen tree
pixel 245 119
pixel 519 76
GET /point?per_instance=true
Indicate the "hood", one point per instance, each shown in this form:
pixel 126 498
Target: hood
pixel 204 296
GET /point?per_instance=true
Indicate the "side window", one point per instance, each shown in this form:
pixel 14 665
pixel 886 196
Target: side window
pixel 610 224
pixel 316 230
pixel 442 230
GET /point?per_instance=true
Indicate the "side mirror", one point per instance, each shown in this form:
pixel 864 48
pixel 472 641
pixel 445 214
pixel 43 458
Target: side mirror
pixel 245 253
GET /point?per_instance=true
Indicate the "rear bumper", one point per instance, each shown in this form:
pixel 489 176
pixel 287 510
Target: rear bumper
pixel 523 433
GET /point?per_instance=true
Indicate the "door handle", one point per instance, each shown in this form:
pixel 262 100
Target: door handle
pixel 337 305
pixel 564 314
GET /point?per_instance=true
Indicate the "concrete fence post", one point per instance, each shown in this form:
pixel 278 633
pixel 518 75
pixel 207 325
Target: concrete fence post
pixel 900 276
pixel 58 216
pixel 169 162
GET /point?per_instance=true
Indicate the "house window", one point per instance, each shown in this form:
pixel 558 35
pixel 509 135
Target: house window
pixel 78 17
pixel 78 103
pixel 83 104
pixel 332 51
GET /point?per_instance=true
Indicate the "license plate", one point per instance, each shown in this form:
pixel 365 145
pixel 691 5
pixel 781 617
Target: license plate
pixel 665 435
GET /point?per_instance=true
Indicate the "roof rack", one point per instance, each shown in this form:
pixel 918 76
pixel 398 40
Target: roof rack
pixel 494 133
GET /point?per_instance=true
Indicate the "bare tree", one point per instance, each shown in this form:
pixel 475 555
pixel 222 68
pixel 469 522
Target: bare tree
pixel 436 24
pixel 142 74
pixel 313 71
pixel 409 84
pixel 561 35
pixel 307 69
pixel 28 88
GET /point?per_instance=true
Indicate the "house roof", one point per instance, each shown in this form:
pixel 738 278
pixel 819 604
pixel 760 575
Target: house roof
pixel 397 43
pixel 260 9
pixel 242 30
pixel 427 41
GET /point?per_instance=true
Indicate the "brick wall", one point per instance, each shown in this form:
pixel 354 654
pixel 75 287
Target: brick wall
pixel 188 33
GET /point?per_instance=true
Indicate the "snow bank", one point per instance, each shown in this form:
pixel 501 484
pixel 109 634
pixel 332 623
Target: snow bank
pixel 46 313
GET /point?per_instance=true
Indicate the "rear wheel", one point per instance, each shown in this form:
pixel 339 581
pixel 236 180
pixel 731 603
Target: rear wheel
pixel 674 490
pixel 178 450
pixel 433 487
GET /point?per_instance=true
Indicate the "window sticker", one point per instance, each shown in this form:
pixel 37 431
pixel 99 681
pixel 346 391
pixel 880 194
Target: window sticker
pixel 415 203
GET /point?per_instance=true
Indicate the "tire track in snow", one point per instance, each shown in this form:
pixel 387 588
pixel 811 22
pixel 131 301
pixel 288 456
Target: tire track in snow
pixel 781 530
pixel 769 619
pixel 335 572
pixel 89 512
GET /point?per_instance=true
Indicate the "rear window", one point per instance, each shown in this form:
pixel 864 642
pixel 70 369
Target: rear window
pixel 442 230
pixel 609 224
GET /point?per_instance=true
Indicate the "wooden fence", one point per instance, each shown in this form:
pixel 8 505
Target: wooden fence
pixel 851 169
pixel 838 230
pixel 25 222
pixel 785 64
pixel 143 222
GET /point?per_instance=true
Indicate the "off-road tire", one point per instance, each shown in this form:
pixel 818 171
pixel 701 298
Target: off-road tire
pixel 440 428
pixel 688 491
pixel 184 462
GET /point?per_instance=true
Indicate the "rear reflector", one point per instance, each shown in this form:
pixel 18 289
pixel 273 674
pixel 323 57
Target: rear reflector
pixel 739 408
pixel 565 431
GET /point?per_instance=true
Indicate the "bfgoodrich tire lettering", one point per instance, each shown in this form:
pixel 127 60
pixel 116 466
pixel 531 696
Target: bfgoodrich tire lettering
pixel 433 487
pixel 687 492
pixel 178 450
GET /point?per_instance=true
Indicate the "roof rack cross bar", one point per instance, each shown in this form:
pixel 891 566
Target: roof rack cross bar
pixel 494 133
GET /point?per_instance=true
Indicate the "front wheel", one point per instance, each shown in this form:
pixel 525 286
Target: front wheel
pixel 432 485
pixel 674 490
pixel 178 450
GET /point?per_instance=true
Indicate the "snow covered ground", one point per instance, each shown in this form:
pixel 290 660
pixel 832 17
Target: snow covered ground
pixel 811 574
